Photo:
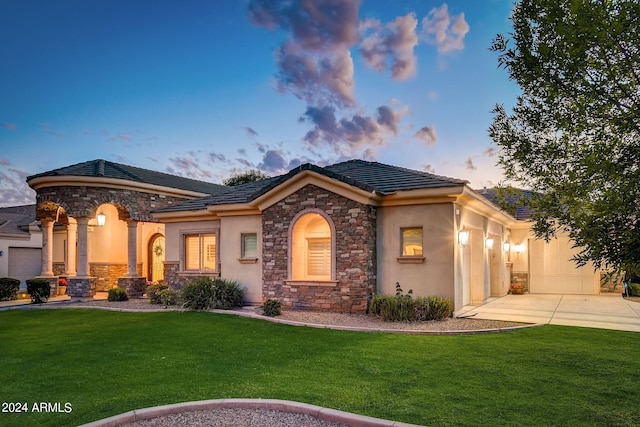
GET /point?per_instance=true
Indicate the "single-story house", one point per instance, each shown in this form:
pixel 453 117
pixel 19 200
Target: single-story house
pixel 323 238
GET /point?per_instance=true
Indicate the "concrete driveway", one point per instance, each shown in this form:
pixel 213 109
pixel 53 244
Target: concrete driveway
pixel 591 311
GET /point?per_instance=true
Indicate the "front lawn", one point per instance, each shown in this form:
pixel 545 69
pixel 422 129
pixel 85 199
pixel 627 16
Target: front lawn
pixel 105 363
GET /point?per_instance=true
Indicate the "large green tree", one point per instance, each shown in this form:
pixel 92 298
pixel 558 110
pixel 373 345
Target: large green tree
pixel 573 135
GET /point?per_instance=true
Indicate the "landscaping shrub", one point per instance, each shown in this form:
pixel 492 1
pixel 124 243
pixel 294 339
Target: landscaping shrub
pixel 203 293
pixel 9 288
pixel 117 294
pixel 404 308
pixel 433 308
pixel 39 290
pixel 634 289
pixel 168 297
pixel 272 308
pixel 153 292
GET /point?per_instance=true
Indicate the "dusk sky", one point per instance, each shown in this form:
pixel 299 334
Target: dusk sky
pixel 206 89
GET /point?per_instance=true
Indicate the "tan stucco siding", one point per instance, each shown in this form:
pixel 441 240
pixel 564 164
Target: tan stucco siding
pixel 435 275
pixel 248 274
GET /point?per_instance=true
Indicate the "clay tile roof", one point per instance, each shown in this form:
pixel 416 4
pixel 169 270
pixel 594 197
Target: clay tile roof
pixel 104 168
pixel 368 176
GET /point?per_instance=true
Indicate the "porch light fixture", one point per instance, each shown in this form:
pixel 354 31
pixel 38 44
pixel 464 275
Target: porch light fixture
pixel 518 248
pixel 102 219
pixel 488 243
pixel 506 246
pixel 463 238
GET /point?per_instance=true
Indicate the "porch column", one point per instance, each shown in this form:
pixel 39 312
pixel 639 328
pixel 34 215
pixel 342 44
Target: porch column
pixel 72 238
pixel 132 249
pixel 83 247
pixel 47 248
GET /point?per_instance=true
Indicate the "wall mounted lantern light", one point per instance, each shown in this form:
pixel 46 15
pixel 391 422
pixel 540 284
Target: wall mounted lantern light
pixel 506 246
pixel 488 243
pixel 102 219
pixel 518 248
pixel 463 237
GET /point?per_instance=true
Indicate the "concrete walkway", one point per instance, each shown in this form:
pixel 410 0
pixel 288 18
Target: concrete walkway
pixel 590 311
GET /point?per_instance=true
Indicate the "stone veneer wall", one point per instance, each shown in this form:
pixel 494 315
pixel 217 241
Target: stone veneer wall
pixel 82 201
pixel 176 279
pixel 355 256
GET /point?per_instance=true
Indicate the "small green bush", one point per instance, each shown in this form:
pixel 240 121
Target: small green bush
pixel 39 290
pixel 204 293
pixel 404 308
pixel 9 288
pixel 117 294
pixel 634 289
pixel 272 308
pixel 153 292
pixel 168 297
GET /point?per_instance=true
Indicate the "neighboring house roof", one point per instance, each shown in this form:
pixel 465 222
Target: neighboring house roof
pixel 369 176
pixel 518 208
pixel 16 219
pixel 106 169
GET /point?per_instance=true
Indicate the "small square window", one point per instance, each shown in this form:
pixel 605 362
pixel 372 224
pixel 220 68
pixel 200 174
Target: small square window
pixel 412 241
pixel 249 246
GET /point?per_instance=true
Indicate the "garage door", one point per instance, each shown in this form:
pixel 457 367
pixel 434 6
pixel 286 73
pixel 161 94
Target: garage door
pixel 25 263
pixel 551 270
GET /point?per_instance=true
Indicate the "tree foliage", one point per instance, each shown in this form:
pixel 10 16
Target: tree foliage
pixel 572 136
pixel 245 177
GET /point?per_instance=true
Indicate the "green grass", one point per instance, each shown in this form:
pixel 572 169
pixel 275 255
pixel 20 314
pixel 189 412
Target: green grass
pixel 106 363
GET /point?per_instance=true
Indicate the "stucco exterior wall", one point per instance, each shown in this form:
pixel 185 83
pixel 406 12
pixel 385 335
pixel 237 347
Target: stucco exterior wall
pixel 246 272
pixel 433 276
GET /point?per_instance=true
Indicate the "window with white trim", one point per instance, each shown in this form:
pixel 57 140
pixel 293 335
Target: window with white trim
pixel 200 252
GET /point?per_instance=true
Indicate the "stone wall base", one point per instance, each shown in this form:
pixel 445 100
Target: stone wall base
pixel 81 287
pixel 135 286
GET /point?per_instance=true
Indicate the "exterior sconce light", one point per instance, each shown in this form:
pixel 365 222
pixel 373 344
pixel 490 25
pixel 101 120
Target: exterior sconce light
pixel 102 219
pixel 518 248
pixel 506 246
pixel 463 238
pixel 488 243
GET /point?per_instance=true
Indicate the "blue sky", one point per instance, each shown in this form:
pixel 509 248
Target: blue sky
pixel 206 89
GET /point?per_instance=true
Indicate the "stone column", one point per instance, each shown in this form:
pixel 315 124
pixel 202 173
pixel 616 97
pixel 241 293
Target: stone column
pixel 83 247
pixel 132 249
pixel 82 285
pixel 72 230
pixel 47 248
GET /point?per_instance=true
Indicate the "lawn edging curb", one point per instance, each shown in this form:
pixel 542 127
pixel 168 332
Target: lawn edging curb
pixel 323 414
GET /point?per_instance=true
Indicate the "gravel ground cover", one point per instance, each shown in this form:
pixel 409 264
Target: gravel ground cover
pixel 324 318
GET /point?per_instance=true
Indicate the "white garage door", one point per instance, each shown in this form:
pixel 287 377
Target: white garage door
pixel 25 263
pixel 551 270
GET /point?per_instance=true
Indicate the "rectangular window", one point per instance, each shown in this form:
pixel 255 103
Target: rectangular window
pixel 249 246
pixel 319 257
pixel 412 241
pixel 200 252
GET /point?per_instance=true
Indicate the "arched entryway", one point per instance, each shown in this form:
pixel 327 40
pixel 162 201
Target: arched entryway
pixel 156 258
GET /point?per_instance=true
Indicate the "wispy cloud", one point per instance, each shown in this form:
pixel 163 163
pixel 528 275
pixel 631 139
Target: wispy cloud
pixel 428 168
pixel 250 132
pixel 13 187
pixel 9 126
pixel 444 30
pixel 427 135
pixel 490 152
pixel 46 128
pixel 468 164
pixel 393 42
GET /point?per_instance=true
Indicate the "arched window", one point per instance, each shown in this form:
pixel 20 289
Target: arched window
pixel 311 248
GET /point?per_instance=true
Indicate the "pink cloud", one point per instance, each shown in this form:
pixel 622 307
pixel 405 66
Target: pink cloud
pixel 9 126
